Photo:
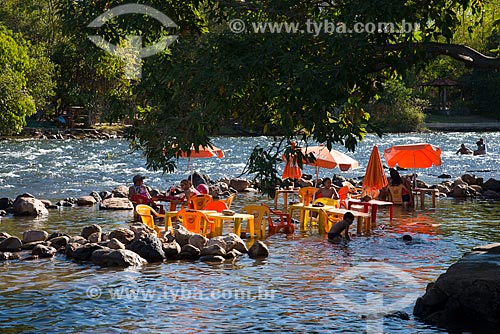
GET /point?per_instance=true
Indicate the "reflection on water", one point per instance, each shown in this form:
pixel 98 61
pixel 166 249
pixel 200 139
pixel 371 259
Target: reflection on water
pixel 296 289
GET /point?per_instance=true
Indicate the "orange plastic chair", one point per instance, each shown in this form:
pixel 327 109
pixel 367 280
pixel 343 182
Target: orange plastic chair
pixel 148 215
pixel 198 202
pixel 196 221
pixel 229 200
pixel 216 205
pixel 284 224
pixel 343 196
pixel 306 194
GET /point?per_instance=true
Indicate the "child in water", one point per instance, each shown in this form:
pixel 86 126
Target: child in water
pixel 334 235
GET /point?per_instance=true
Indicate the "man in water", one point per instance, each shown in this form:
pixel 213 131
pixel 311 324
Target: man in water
pixel 463 150
pixel 481 147
pixel 334 235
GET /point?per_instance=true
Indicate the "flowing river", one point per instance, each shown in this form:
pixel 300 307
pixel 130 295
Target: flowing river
pixel 306 285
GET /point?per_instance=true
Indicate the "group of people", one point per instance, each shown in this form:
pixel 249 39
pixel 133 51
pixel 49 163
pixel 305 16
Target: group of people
pixel 185 191
pixel 481 148
pixel 398 191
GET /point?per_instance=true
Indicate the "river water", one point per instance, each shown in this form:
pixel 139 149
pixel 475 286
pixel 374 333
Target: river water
pixel 306 285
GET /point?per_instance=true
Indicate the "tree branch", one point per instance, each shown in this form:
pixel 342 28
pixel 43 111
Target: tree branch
pixel 459 52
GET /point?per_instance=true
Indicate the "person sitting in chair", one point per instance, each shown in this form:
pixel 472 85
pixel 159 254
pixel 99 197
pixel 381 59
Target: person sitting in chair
pixel 138 188
pixel 327 190
pixel 399 193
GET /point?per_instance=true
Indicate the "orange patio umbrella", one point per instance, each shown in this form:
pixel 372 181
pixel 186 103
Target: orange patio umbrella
pixel 413 156
pixel 375 178
pixel 292 169
pixel 326 158
pixel 421 155
pixel 201 152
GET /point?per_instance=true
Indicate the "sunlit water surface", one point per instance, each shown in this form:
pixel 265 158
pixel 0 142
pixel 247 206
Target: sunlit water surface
pixel 306 285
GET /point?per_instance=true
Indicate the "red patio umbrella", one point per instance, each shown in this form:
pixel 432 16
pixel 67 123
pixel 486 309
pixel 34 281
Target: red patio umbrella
pixel 375 178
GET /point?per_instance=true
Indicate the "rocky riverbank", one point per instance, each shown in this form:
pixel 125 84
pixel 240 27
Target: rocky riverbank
pixel 124 247
pixel 466 297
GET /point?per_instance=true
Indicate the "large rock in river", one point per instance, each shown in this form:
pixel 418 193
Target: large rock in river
pixel 116 203
pixel 29 206
pixel 467 296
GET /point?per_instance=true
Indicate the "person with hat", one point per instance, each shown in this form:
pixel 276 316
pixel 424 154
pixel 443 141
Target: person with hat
pixel 138 188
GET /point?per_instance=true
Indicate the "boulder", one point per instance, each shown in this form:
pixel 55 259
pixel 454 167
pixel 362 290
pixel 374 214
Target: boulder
pixel 29 206
pixel 32 236
pixel 95 237
pixel 443 189
pixel 469 179
pixel 5 203
pixel 44 251
pixel 198 241
pixel 239 184
pixel 8 256
pixel 192 250
pixel 213 250
pixel 233 254
pixel 96 196
pixel 233 241
pixel 59 242
pixel 467 294
pixel 171 249
pixel 120 192
pixel 78 239
pixel 149 248
pixel 115 244
pixel 219 240
pixel 31 245
pixel 117 258
pixel 182 235
pixel 490 194
pixel 115 203
pixel 124 235
pixel 86 201
pixel 11 244
pixel 258 250
pixel 84 252
pixel 88 230
pixel 492 184
pixel 461 190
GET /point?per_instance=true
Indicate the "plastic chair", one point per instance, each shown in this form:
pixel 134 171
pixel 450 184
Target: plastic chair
pixel 216 205
pixel 259 212
pixel 343 196
pixel 396 194
pixel 229 200
pixel 148 215
pixel 306 194
pixel 196 221
pixel 285 222
pixel 198 202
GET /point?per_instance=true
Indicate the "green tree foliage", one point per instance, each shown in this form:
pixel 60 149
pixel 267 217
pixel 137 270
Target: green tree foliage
pixel 25 80
pixel 397 110
pixel 309 86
